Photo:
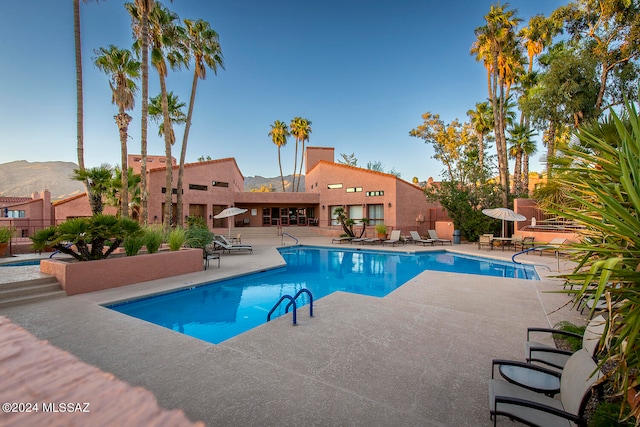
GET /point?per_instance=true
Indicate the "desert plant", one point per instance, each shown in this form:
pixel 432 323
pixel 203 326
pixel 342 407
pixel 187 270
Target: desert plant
pixel 601 179
pixel 381 229
pixel 85 238
pixel 132 244
pixel 176 238
pixel 196 222
pixel 153 238
pixel 198 237
pixel 6 233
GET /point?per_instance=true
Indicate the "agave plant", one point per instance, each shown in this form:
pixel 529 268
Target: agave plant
pixel 601 185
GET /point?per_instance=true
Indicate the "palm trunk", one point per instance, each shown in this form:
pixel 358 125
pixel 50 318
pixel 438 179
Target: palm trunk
pixel 185 138
pixel 123 120
pixel 295 167
pixel 481 151
pixel 167 148
pixel 551 148
pixel 301 164
pixel 280 164
pixel 525 173
pixel 79 94
pixel 517 174
pixel 144 215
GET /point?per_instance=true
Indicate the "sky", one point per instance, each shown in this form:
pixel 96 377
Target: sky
pixel 362 71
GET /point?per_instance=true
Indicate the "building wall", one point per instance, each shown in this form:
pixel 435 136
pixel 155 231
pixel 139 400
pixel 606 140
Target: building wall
pixel 314 154
pixel 134 161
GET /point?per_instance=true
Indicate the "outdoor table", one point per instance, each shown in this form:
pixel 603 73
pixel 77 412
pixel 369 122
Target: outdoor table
pixel 540 382
pixel 504 241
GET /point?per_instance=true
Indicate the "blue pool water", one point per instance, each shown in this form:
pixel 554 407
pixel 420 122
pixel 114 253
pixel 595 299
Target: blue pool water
pixel 221 310
pixel 21 263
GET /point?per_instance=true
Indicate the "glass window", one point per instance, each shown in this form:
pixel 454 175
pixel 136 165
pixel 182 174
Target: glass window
pixel 375 193
pixel 219 184
pixel 355 212
pixel 376 214
pixel 198 187
pixel 334 215
pixel 334 186
pixel 354 190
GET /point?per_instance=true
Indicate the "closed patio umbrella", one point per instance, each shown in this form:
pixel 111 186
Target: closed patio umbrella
pixel 504 214
pixel 229 212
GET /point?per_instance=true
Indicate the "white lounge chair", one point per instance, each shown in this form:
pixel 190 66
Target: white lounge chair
pixel 434 236
pixel 221 242
pixel 415 238
pixel 554 246
pixel 341 239
pixel 393 239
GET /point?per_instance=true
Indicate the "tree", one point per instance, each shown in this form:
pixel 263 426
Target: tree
pixel 520 138
pixel 99 180
pixel 301 130
pixel 482 122
pixel 279 134
pixel 349 160
pixel 139 12
pixel 123 70
pixel 176 115
pixel 609 32
pixel 497 46
pixel 204 158
pixel 113 195
pixel 204 47
pixel 375 166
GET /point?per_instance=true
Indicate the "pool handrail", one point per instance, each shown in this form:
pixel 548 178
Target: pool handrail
pixel 295 297
pixel 282 298
pixel 287 234
pixel 513 258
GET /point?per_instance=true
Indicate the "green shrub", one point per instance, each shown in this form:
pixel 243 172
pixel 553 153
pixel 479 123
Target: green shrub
pixel 574 343
pixel 196 222
pixel 197 237
pixel 6 233
pixel 176 238
pixel 133 244
pixel 607 414
pixel 153 238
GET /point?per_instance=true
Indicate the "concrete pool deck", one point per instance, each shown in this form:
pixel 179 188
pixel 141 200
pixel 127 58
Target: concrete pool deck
pixel 419 356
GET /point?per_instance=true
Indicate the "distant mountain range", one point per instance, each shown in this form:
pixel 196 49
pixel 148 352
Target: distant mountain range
pixel 22 179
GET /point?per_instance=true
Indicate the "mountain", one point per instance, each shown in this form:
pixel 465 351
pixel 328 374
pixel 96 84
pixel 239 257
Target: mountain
pixel 22 179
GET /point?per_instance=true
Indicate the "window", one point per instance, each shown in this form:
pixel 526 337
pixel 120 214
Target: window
pixel 334 186
pixel 173 190
pixel 355 212
pixel 219 184
pixel 376 214
pixel 334 215
pixel 375 193
pixel 198 187
pixel 354 190
pixel 15 214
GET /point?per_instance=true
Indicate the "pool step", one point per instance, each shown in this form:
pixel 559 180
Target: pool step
pixel 29 291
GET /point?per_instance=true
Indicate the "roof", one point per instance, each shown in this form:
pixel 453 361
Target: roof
pixel 364 170
pixel 69 199
pixel 8 201
pixel 195 164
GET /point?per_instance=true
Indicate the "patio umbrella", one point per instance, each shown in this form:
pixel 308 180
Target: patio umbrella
pixel 230 212
pixel 504 214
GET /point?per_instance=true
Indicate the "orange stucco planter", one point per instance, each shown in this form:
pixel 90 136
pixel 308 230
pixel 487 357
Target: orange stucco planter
pixel 89 276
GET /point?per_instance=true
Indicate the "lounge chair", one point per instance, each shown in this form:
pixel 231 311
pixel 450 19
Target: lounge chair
pixel 341 239
pixel 550 355
pixel 393 239
pixel 554 245
pixel 372 240
pixel 415 238
pixel 486 240
pixel 221 242
pixel 533 408
pixel 434 236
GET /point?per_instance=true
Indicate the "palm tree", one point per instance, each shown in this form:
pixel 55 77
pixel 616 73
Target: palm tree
pixel 520 136
pixel 496 46
pixel 79 94
pixel 114 191
pixel 279 134
pixel 139 12
pixel 300 129
pixel 122 70
pixel 99 179
pixel 204 46
pixel 482 123
pixel 176 114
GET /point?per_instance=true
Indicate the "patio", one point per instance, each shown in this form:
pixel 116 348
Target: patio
pixel 419 356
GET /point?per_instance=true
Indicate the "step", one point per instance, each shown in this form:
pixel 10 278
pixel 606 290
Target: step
pixel 22 283
pixel 31 298
pixel 28 290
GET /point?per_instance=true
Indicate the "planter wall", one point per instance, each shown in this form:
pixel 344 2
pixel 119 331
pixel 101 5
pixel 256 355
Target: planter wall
pixel 89 276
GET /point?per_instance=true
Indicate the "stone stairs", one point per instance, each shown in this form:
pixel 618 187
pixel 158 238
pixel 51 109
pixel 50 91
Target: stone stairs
pixel 28 291
pixel 267 232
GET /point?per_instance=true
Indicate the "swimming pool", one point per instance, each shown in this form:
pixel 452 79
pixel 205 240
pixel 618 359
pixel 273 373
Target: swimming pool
pixel 21 263
pixel 218 311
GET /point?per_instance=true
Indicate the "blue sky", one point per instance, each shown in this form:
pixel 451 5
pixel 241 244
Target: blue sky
pixel 362 71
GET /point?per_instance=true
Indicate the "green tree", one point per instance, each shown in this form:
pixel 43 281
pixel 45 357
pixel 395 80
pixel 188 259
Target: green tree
pixel 99 180
pixel 279 134
pixel 113 195
pixel 482 122
pixel 204 47
pixel 301 130
pixel 497 45
pixel 176 113
pixel 122 70
pixel 349 160
pixel 520 139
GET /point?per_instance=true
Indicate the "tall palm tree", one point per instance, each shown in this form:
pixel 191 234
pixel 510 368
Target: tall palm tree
pixel 279 134
pixel 99 179
pixel 305 133
pixel 79 94
pixel 204 46
pixel 139 12
pixel 176 114
pixel 496 45
pixel 520 136
pixel 482 123
pixel 123 70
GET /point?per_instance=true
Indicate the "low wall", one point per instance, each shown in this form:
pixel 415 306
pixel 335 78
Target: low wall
pixel 89 276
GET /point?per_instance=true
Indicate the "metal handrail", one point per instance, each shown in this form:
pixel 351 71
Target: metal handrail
pixel 513 258
pixel 287 234
pixel 282 298
pixel 295 297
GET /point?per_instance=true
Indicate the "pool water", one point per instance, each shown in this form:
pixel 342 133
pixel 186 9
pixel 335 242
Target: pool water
pixel 21 263
pixel 221 310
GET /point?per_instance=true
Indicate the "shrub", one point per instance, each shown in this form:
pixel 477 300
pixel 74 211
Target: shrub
pixel 6 233
pixel 176 238
pixel 574 343
pixel 153 238
pixel 197 237
pixel 133 244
